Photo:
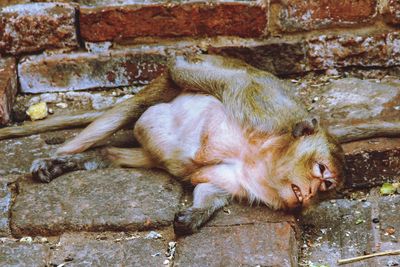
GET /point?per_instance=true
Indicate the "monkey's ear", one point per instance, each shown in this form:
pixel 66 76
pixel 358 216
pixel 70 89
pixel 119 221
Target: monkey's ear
pixel 306 127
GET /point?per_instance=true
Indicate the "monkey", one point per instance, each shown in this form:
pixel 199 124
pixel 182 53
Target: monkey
pixel 230 129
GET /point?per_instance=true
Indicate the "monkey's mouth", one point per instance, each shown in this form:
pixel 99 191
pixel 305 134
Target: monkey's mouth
pixel 297 193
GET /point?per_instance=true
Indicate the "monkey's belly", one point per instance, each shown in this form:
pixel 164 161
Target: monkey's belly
pixel 173 133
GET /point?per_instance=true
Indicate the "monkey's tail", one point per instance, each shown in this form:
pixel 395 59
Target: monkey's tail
pixel 160 90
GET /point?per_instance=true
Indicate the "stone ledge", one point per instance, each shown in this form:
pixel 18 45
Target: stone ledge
pixel 37 26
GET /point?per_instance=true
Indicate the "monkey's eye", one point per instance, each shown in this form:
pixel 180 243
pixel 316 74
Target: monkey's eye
pixel 327 184
pixel 322 168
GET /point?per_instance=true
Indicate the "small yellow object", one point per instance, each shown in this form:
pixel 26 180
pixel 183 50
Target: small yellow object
pixel 37 111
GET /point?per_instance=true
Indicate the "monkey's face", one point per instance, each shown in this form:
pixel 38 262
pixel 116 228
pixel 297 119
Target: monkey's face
pixel 312 164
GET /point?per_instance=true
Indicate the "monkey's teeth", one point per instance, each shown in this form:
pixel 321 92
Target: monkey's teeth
pixel 297 192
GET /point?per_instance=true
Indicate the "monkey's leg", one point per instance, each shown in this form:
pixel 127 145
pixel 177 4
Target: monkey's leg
pixel 129 157
pixel 210 74
pixel 47 169
pixel 160 90
pixel 207 199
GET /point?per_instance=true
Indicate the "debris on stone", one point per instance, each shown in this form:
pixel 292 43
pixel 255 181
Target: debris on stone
pixel 40 239
pixel 389 189
pixel 390 230
pixel 62 105
pixel 37 111
pixel 153 235
pixel 170 254
pixel 156 254
pixel 26 239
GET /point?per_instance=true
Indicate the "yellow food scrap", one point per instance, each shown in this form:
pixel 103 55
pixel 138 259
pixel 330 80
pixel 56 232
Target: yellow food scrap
pixel 37 111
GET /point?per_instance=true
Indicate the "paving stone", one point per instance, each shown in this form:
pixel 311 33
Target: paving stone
pixel 8 88
pixel 263 244
pixel 37 26
pixel 241 236
pixel 5 205
pixel 78 71
pixel 19 254
pixel 344 229
pixel 79 250
pixel 300 15
pixel 173 19
pixel 109 199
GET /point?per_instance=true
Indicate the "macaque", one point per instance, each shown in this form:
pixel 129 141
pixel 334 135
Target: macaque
pixel 228 128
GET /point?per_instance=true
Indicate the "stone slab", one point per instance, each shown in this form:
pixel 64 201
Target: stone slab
pixel 34 27
pixel 81 250
pixel 5 205
pixel 19 254
pixel 173 19
pixel 259 244
pixel 345 228
pixel 8 88
pixel 241 235
pixel 100 200
pixel 82 70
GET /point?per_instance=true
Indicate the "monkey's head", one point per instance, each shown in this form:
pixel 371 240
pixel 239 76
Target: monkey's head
pixel 312 164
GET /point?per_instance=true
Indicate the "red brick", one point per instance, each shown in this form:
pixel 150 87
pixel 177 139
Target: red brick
pixel 391 11
pixel 8 88
pixel 244 19
pixel 37 26
pixel 300 15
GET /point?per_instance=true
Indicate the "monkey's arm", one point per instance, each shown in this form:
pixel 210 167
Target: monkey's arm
pixel 207 198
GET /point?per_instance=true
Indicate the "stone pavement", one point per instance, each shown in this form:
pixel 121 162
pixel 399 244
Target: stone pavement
pixel 123 217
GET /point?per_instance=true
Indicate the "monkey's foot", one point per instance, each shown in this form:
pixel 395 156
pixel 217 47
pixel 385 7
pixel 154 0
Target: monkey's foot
pixel 45 170
pixel 189 221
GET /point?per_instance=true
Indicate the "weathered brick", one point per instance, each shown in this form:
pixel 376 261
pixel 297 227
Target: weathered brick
pixel 37 26
pixel 110 199
pixel 278 58
pixel 242 18
pixel 77 71
pixel 373 162
pixel 323 52
pixel 299 15
pixel 258 244
pixel 244 236
pixel 391 11
pixel 8 88
pixel 381 50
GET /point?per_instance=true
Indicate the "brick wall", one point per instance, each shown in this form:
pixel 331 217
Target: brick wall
pixel 83 44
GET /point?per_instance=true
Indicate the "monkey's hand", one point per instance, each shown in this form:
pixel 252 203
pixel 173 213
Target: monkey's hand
pixel 190 220
pixel 45 170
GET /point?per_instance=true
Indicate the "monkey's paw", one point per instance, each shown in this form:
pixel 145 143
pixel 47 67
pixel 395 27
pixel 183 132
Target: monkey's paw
pixel 189 221
pixel 45 170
